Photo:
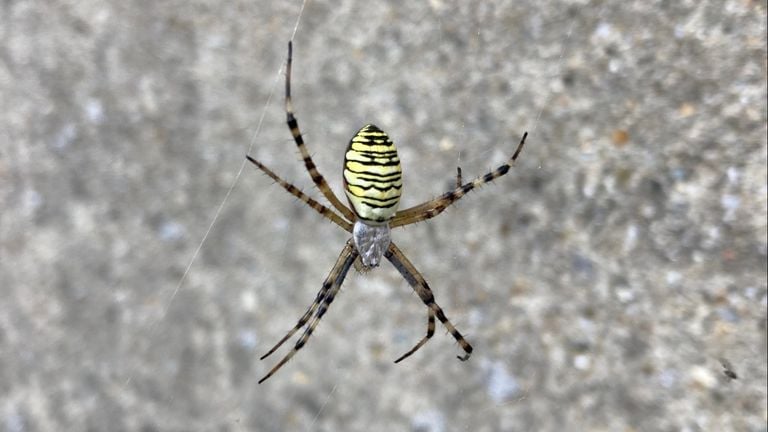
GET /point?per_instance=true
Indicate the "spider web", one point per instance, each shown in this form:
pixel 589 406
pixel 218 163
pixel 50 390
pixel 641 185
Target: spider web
pixel 237 176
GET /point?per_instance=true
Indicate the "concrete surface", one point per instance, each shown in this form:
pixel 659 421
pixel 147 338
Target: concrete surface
pixel 601 282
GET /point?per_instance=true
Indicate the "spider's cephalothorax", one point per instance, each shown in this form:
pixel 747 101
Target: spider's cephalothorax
pixel 372 183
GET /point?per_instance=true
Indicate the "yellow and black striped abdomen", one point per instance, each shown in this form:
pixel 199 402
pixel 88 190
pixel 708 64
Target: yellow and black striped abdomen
pixel 372 175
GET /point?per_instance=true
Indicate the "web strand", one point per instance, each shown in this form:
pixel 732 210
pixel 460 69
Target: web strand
pixel 168 303
pixel 236 180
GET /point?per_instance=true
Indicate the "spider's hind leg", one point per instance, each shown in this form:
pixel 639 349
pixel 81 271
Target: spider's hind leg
pixel 436 206
pixel 293 126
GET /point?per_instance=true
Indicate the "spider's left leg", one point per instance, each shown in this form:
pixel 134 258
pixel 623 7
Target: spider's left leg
pixel 417 282
pixel 327 284
pixel 436 206
pixel 293 190
pixel 293 125
pixel 335 279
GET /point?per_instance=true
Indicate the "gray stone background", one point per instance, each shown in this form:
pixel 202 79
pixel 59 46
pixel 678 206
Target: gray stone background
pixel 601 282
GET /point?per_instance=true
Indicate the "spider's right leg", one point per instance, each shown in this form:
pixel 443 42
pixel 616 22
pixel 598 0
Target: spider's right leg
pixel 327 293
pixel 293 190
pixel 430 332
pixel 436 206
pixel 417 282
pixel 293 125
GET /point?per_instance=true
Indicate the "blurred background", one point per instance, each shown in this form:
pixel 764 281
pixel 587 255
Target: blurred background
pixel 615 279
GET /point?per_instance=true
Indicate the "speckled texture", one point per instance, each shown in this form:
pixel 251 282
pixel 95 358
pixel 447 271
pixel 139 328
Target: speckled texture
pixel 600 282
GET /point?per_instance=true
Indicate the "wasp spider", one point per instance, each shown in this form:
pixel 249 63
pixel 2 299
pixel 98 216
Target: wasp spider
pixel 373 183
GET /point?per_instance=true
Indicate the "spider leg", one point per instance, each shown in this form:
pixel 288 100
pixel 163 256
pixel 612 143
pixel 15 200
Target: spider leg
pixel 293 125
pixel 436 206
pixel 320 296
pixel 331 287
pixel 417 282
pixel 318 299
pixel 293 190
pixel 430 332
pixel 458 177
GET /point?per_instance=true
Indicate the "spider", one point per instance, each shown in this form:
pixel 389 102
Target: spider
pixel 372 184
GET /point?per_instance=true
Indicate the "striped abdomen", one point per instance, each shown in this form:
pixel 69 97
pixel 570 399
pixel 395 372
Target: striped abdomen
pixel 372 176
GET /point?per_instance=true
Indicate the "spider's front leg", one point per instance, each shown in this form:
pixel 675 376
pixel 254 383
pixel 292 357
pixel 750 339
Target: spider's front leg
pixel 327 293
pixel 417 282
pixel 430 332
